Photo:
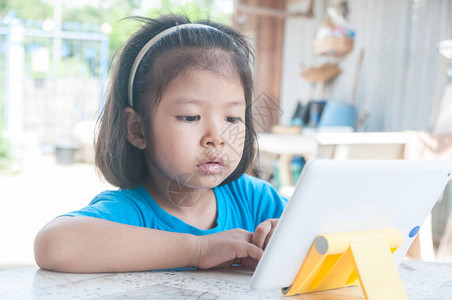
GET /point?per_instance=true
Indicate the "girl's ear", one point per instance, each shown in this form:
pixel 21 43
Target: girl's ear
pixel 136 133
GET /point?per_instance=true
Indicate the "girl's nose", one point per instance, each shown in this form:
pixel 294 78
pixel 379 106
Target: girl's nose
pixel 212 141
pixel 212 138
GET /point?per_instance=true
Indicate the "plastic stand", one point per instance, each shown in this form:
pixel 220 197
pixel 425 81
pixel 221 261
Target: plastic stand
pixel 346 259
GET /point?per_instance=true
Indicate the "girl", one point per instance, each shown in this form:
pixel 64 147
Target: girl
pixel 176 137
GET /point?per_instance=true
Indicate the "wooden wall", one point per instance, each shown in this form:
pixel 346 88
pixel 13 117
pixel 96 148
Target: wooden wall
pixel 401 71
pixel 263 24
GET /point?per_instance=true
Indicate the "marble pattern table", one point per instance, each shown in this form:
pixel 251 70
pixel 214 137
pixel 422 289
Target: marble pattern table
pixel 422 280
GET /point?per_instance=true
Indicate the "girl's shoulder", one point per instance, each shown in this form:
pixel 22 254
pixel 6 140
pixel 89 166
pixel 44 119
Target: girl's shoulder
pixel 137 194
pixel 126 206
pixel 250 183
pixel 251 188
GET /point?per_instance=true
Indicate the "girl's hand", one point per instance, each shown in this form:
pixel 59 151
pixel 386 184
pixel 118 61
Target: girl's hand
pixel 263 233
pixel 226 248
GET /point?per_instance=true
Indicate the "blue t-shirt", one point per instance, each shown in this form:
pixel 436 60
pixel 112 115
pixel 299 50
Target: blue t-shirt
pixel 243 203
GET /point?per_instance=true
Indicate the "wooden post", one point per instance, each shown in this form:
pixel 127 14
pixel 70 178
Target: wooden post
pixel 267 31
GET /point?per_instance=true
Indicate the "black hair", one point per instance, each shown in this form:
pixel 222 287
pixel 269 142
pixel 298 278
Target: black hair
pixel 222 50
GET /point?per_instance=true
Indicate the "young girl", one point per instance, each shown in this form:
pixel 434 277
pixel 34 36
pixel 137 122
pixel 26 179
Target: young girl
pixel 176 137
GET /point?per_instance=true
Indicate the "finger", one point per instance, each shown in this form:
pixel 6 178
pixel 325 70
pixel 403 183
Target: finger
pixel 237 261
pixel 261 233
pixel 249 262
pixel 225 264
pixel 269 235
pixel 251 251
pixel 245 261
pixel 248 235
pixel 267 239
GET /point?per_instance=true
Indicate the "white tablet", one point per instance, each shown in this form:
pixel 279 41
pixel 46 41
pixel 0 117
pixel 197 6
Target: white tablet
pixel 350 195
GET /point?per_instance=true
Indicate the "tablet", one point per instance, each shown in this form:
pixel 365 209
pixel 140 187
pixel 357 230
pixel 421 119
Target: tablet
pixel 350 195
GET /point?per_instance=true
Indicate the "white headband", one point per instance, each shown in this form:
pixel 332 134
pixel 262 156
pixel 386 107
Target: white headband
pixel 148 46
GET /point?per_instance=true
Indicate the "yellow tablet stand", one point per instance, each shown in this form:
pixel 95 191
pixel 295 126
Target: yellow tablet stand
pixel 340 259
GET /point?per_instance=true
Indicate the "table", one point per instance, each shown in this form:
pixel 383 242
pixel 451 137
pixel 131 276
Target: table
pixel 416 145
pixel 422 280
pixel 286 146
pixel 335 145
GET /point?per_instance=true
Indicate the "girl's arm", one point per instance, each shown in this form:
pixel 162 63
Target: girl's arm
pixel 84 244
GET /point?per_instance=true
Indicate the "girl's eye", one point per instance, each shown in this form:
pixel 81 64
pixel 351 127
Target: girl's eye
pixel 189 119
pixel 233 120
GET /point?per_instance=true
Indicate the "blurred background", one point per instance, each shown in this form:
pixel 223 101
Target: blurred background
pixel 322 66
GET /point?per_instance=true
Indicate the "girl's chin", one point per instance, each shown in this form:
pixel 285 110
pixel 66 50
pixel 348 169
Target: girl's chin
pixel 197 180
pixel 210 181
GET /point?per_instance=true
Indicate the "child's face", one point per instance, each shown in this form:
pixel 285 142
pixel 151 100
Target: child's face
pixel 198 129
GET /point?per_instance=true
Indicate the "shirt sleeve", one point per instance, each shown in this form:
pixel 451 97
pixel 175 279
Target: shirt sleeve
pixel 112 206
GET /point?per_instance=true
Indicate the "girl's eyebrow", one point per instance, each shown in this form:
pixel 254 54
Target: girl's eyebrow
pixel 184 101
pixel 236 103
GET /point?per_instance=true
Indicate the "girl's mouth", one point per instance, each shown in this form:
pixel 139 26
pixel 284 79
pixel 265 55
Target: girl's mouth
pixel 212 167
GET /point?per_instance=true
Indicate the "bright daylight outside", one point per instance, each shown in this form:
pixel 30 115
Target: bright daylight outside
pixel 241 148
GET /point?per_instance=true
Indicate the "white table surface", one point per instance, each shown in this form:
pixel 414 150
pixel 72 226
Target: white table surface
pixel 307 143
pixel 298 144
pixel 422 280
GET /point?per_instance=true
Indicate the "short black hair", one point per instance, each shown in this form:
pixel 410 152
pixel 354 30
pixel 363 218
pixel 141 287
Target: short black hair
pixel 222 50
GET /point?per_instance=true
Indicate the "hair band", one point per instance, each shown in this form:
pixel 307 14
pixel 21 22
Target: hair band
pixel 148 46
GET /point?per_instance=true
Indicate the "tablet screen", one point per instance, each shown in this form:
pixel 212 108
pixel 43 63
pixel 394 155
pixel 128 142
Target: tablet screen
pixel 350 195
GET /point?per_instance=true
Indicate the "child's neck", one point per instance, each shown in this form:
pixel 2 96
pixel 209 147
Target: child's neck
pixel 194 206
